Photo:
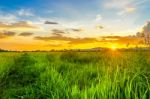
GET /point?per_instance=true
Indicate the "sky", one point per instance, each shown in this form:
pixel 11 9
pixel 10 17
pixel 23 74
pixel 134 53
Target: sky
pixel 71 24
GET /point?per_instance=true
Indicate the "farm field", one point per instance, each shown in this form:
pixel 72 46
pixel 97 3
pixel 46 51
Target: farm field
pixel 75 75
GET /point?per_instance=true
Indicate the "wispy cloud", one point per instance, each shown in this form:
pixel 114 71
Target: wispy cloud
pixel 122 39
pixel 53 45
pixel 98 18
pixel 116 4
pixel 99 27
pixel 55 37
pixel 26 34
pixel 58 31
pixel 9 33
pixel 7 17
pixel 25 12
pixel 127 10
pixel 70 40
pixel 77 29
pixel 124 6
pixel 83 41
pixel 5 34
pixel 20 24
pixel 49 22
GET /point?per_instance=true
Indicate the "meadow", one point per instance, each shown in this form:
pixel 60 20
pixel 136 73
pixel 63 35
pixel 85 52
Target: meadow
pixel 75 75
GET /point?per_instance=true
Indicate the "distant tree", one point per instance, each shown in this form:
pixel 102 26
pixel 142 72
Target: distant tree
pixel 145 34
pixel 139 34
pixel 1 50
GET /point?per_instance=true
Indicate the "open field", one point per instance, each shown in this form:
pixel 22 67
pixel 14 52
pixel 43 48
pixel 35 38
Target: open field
pixel 75 75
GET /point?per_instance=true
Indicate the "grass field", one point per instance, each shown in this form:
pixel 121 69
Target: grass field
pixel 75 75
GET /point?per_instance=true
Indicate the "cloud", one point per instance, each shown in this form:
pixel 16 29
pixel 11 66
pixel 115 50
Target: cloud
pixel 58 31
pixel 7 17
pixel 26 34
pixel 124 6
pixel 99 27
pixel 112 37
pixel 55 37
pixel 77 30
pixel 5 34
pixel 9 33
pixel 121 39
pixel 127 10
pixel 130 9
pixel 54 45
pixel 130 40
pixel 25 12
pixel 23 24
pixel 56 34
pixel 49 22
pixel 2 36
pixel 98 17
pixel 49 11
pixel 116 4
pixel 70 40
pixel 86 40
pixel 83 41
pixel 20 24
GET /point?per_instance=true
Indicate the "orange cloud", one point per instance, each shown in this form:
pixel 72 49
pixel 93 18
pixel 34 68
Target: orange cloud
pixel 21 24
pixel 25 34
pixel 83 40
pixel 126 40
pixel 57 37
pixel 5 34
pixel 58 31
pixel 70 40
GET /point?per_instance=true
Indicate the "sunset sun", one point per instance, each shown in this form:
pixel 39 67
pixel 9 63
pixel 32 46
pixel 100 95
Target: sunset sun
pixel 114 47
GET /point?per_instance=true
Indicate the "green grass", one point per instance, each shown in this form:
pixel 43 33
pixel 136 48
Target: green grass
pixel 75 75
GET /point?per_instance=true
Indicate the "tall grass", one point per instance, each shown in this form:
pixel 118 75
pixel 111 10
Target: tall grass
pixel 75 75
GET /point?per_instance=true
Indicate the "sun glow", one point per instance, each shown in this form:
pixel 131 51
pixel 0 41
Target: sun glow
pixel 113 47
